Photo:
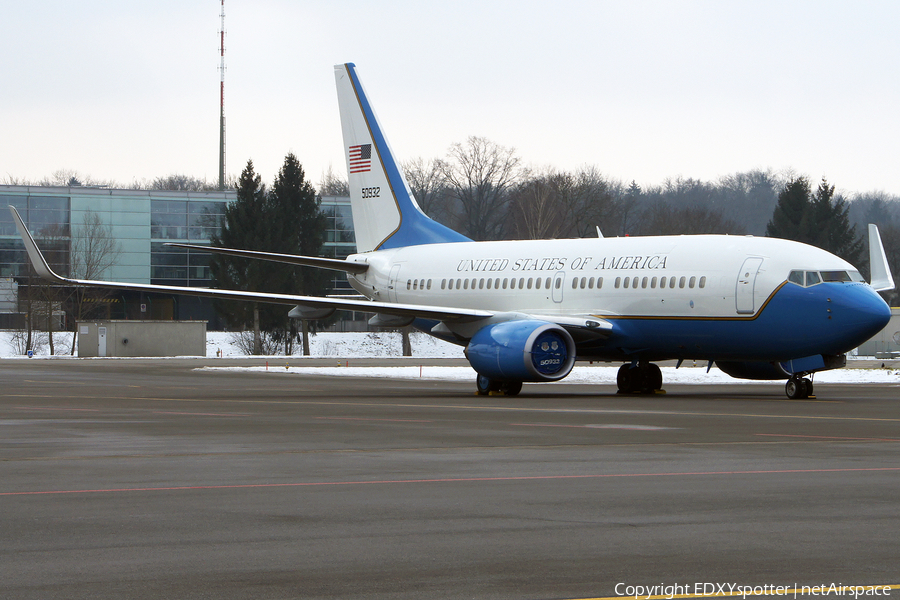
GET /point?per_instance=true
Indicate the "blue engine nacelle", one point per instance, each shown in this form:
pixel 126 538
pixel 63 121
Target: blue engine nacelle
pixel 527 350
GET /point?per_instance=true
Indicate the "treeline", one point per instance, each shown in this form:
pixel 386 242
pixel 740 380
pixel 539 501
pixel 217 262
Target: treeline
pixel 72 178
pixel 485 191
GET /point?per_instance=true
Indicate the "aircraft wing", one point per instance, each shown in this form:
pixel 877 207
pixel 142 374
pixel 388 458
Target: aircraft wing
pixel 407 310
pixel 592 325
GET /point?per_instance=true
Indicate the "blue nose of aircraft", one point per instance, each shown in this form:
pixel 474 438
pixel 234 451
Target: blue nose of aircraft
pixel 859 312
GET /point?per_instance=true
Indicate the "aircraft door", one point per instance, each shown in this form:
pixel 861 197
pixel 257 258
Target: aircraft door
pixel 558 280
pixel 746 281
pixel 393 282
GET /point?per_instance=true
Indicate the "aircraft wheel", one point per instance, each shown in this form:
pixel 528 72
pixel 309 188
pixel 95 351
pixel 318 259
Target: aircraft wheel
pixel 483 385
pixel 795 388
pixel 512 388
pixel 625 379
pixel 809 387
pixel 653 378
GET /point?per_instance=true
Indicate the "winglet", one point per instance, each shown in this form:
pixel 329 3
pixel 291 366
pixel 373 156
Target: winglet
pixel 34 254
pixel 881 278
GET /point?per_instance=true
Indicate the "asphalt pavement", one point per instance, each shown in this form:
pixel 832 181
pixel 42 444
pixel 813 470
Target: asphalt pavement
pixel 151 479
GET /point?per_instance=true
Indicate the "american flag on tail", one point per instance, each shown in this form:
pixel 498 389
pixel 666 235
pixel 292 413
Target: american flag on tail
pixel 361 158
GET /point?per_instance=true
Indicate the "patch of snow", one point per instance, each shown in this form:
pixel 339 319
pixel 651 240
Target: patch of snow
pixel 386 344
pixel 380 344
pixel 376 344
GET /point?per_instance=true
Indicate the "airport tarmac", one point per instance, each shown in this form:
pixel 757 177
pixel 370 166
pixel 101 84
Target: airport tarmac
pixel 151 479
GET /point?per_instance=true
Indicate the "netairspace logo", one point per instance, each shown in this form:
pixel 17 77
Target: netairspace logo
pixel 712 590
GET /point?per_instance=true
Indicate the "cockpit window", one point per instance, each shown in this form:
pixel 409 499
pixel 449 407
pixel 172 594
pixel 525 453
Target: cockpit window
pixel 809 278
pixel 833 276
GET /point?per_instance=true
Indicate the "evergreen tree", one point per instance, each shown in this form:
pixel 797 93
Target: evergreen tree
pixel 245 227
pixel 298 227
pixel 790 219
pixel 821 219
pixel 832 228
pixel 284 220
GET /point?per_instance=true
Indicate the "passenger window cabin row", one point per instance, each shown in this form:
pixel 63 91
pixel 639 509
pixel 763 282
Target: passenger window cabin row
pixel 662 282
pixel 537 283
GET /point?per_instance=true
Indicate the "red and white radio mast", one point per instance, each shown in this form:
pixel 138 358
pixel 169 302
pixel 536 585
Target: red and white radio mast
pixel 222 102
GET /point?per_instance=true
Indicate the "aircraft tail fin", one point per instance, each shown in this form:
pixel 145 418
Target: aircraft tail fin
pixel 385 214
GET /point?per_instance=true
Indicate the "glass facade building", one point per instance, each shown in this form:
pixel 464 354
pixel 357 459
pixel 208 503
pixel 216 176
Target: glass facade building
pixel 142 221
pixel 340 240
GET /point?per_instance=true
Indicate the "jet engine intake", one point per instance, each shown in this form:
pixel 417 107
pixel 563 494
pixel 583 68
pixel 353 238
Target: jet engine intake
pixel 524 350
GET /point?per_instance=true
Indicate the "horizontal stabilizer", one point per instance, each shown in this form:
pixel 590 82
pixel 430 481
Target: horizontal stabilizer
pixel 291 259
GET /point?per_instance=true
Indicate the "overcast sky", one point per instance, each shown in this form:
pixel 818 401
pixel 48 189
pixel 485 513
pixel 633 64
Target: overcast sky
pixel 644 90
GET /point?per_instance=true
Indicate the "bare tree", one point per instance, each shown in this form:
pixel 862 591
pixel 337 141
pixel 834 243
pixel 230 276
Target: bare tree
pixel 554 205
pixel 662 219
pixel 536 206
pixel 39 299
pixel 94 250
pixel 428 185
pixel 183 183
pixel 72 178
pixel 749 198
pixel 594 201
pixel 10 179
pixel 333 185
pixel 480 174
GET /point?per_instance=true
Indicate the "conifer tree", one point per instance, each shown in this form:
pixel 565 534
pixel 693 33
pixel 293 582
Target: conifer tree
pixel 821 219
pixel 298 226
pixel 245 227
pixel 790 219
pixel 285 220
pixel 832 227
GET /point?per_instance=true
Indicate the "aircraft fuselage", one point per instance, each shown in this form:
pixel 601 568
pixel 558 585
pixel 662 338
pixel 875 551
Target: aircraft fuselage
pixel 669 297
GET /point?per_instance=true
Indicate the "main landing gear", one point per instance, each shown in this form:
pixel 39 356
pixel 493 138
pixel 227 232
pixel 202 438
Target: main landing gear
pixel 642 378
pixel 487 386
pixel 799 388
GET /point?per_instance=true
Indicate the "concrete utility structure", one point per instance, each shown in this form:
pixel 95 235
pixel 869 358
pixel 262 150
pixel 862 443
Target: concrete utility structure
pixel 142 338
pixel 885 344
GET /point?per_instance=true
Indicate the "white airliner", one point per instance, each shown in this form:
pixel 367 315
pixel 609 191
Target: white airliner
pixel 525 311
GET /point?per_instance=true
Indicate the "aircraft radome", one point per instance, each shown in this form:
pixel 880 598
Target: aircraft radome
pixel 526 311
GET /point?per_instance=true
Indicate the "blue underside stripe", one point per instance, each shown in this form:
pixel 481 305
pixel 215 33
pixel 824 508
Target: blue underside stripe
pixel 831 318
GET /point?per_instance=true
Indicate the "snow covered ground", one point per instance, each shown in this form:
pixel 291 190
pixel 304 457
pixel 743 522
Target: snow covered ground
pixel 327 345
pixel 387 344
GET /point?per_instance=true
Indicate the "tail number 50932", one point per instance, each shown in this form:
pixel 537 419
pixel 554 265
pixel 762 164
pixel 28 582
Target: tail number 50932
pixel 371 192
